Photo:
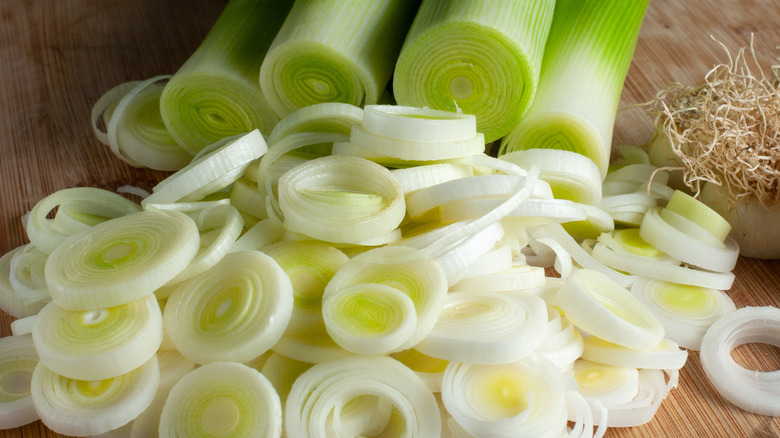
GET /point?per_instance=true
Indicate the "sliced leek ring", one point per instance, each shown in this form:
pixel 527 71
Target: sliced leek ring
pixel 15 302
pixel 92 407
pixel 235 311
pixel 334 117
pixel 98 344
pixel 121 260
pixel 608 384
pixel 222 399
pixel 600 306
pixel 18 359
pixel 418 124
pixel 416 150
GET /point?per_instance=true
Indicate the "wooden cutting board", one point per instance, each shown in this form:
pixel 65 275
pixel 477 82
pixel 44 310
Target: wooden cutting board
pixel 58 57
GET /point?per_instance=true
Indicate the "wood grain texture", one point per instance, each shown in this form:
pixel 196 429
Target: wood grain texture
pixel 58 57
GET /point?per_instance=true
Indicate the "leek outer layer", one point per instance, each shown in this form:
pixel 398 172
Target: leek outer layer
pixel 334 51
pixel 483 57
pixel 586 60
pixel 215 93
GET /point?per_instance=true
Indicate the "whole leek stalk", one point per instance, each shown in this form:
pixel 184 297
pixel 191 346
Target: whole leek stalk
pixel 335 51
pixel 483 57
pixel 586 59
pixel 215 93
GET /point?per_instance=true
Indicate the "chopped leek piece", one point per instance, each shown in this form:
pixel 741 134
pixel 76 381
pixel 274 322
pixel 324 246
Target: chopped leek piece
pixel 609 384
pixel 215 93
pixel 586 59
pixel 98 344
pixel 222 399
pixel 18 359
pixel 667 355
pixel 18 303
pixel 120 260
pixel 336 117
pixel 483 57
pixel 235 311
pixel 318 57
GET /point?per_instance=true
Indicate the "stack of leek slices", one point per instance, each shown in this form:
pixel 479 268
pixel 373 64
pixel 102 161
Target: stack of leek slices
pixel 379 248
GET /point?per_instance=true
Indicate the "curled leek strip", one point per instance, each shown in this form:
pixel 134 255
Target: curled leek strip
pixel 518 399
pixel 686 312
pixel 136 132
pixel 486 328
pixel 667 355
pixel 91 407
pixel 78 208
pixel 516 278
pixel 671 240
pixel 215 169
pixel 571 176
pixel 318 57
pixel 369 318
pixel 17 303
pixel 98 344
pixel 215 93
pixel 120 260
pixel 235 311
pixel 753 391
pixel 563 344
pixel 468 55
pixel 27 269
pixel 336 117
pixel 222 399
pixel 596 221
pixel 105 105
pixel 600 306
pixel 18 359
pixel 608 384
pixel 341 199
pixel 418 124
pixel 419 277
pixel 327 389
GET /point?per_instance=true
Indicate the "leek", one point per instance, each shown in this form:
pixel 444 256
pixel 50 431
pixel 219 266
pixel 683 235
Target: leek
pixel 222 399
pixel 586 59
pixel 480 56
pixel 318 57
pixel 120 260
pixel 15 302
pixel 215 93
pixel 18 359
pixel 235 311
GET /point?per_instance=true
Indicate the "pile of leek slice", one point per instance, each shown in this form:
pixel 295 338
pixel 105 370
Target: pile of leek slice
pixel 320 285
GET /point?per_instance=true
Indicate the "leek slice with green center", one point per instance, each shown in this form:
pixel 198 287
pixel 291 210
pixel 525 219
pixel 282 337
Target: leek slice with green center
pixel 235 311
pixel 98 344
pixel 215 93
pixel 609 384
pixel 222 399
pixel 483 57
pixel 92 407
pixel 419 277
pixel 121 260
pixel 18 359
pixel 586 59
pixel 334 51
